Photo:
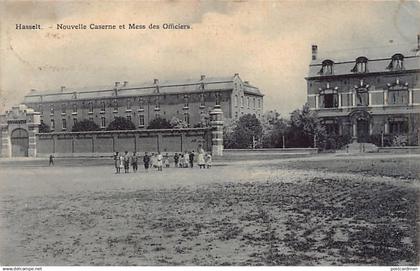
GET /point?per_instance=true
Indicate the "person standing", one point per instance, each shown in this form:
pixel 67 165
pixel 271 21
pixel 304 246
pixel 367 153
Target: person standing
pixel 126 162
pixel 146 161
pixel 192 159
pixel 200 159
pixel 51 162
pixel 159 161
pixel 186 159
pixel 176 159
pixel 117 162
pixel 134 161
pixel 208 160
pixel 166 160
pixel 121 161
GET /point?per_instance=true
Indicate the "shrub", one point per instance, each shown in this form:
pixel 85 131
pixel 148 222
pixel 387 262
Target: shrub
pixel 120 123
pixel 85 125
pixel 159 123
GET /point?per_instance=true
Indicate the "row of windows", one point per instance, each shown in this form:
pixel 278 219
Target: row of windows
pixel 128 105
pixel 255 102
pixel 103 121
pixel 361 66
pixel 396 127
pixel 395 97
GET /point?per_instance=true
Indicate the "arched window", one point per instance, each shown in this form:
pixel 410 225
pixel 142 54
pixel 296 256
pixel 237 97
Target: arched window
pixel 397 63
pixel 361 65
pixel 327 67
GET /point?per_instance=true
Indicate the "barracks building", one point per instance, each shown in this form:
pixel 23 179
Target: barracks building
pixel 367 93
pixel 188 100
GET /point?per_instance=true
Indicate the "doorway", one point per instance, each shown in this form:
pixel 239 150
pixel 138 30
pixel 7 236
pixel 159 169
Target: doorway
pixel 20 143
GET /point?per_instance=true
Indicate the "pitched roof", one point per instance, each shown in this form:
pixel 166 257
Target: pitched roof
pixel 378 59
pixel 139 89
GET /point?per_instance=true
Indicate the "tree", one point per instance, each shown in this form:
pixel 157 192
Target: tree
pixel 44 128
pixel 304 126
pixel 274 132
pixel 177 123
pixel 121 123
pixel 159 123
pixel 85 125
pixel 247 131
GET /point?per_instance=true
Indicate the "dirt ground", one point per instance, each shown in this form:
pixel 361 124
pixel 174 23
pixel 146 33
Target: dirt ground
pixel 329 211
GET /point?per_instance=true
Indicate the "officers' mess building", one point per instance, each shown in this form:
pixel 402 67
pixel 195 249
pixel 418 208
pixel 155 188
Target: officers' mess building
pixel 367 92
pixel 188 100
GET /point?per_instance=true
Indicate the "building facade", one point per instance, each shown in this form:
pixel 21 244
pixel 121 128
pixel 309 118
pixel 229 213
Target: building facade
pixel 188 100
pixel 367 94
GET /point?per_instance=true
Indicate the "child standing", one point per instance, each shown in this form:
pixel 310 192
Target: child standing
pixel 208 160
pixel 166 160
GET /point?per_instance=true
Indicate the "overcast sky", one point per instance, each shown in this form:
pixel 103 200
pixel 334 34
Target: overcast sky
pixel 267 43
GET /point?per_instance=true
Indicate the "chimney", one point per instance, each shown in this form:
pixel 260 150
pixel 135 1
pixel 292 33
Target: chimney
pixel 155 81
pixel 125 83
pixel 33 90
pixel 203 77
pixel 314 51
pixel 246 82
pixel 418 41
pixel 117 84
pixel 63 88
pixel 236 74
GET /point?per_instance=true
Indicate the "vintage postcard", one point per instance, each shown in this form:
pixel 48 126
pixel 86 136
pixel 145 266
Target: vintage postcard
pixel 209 133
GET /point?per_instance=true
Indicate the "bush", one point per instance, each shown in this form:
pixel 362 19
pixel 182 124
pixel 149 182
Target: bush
pixel 85 125
pixel 120 123
pixel 44 128
pixel 159 123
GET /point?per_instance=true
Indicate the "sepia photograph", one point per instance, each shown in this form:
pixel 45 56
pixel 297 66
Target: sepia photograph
pixel 209 133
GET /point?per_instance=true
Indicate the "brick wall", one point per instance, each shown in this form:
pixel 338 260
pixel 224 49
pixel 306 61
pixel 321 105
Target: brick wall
pixel 104 143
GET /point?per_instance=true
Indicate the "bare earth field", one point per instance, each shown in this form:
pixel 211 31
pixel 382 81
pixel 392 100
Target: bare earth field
pixel 307 211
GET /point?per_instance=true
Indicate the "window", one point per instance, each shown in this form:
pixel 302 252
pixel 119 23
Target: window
pixel 236 100
pixel 396 63
pixel 128 117
pixel 141 120
pixel 361 65
pixel 63 109
pixel 218 98
pixel 247 101
pixel 242 101
pixel 64 124
pixel 141 104
pixel 253 101
pixel 398 97
pixel 74 108
pixel 398 126
pixel 327 67
pixel 331 127
pixel 52 125
pixel 128 105
pixel 259 103
pixel 115 105
pixel 90 107
pixel 103 124
pixel 236 114
pixel 185 101
pixel 362 97
pixel 157 114
pixel 103 106
pixel 202 101
pixel 328 99
pixel 74 121
pixel 157 105
pixel 187 118
pixel 91 119
pixel 52 109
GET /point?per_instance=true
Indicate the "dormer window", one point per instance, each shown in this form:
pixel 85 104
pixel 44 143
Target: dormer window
pixel 361 65
pixel 327 67
pixel 397 63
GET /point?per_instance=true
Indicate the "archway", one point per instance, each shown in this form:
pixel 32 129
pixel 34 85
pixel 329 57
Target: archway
pixel 20 142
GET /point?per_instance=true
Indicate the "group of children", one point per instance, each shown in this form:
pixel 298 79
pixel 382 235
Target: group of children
pixel 157 160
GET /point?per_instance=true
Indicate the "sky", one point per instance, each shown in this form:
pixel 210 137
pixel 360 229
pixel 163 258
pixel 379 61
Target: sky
pixel 267 43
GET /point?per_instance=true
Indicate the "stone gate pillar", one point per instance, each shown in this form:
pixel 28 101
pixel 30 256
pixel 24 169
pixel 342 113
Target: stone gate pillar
pixel 217 131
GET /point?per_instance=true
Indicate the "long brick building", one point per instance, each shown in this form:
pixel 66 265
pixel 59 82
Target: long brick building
pixel 188 100
pixel 367 93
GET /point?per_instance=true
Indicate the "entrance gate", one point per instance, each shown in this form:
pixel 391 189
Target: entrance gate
pixel 20 142
pixel 362 131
